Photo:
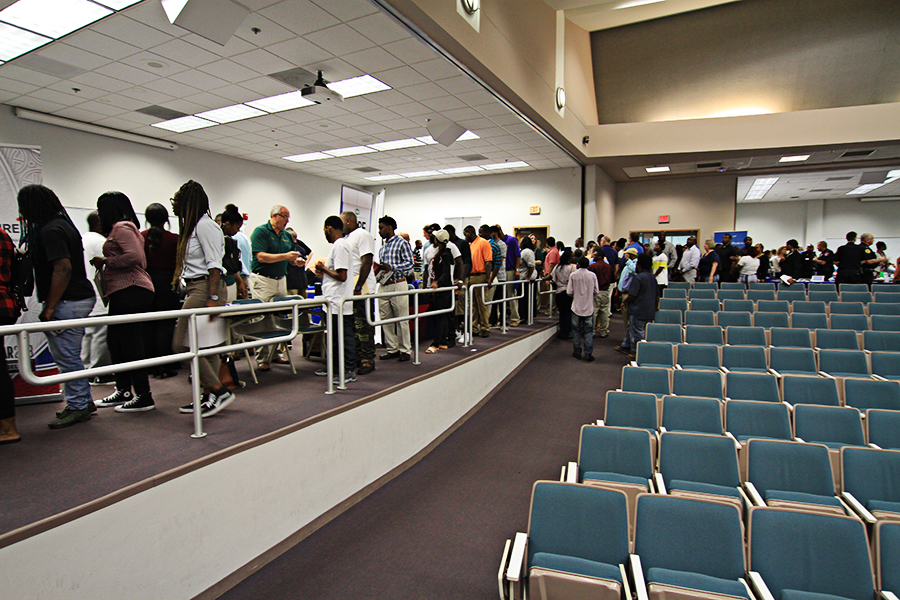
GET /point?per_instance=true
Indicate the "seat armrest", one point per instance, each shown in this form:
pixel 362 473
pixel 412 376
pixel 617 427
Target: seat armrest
pixel 724 370
pixel 678 367
pixel 754 494
pixel 824 374
pixel 663 429
pixel 888 595
pixel 760 589
pixel 500 574
pixel 600 422
pixel 625 584
pixel 799 439
pixel 737 444
pixel 775 373
pixel 633 363
pixel 660 483
pixel 876 446
pixel 637 572
pixel 572 472
pixel 517 557
pixel 879 377
pixel 858 508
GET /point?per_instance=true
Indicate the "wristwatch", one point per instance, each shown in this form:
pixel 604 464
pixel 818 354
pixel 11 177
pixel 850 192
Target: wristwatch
pixel 214 298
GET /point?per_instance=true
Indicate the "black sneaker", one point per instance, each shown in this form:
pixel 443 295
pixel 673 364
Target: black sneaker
pixel 214 402
pixel 91 407
pixel 116 398
pixel 577 354
pixel 140 403
pixel 189 407
pixel 589 358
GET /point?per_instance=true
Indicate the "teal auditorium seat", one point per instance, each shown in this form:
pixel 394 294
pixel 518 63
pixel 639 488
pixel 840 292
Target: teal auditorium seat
pixel 831 426
pixel 758 387
pixel 705 285
pixel 700 317
pixel 673 304
pixel 664 332
pixel 869 393
pixel 706 384
pixel 836 339
pixel 809 320
pixel 728 294
pixel 710 304
pixel 745 359
pixel 747 420
pixel 679 285
pixel 879 308
pixel 883 428
pixel 857 323
pixel 693 415
pixel 853 287
pixel 698 357
pixel 655 354
pixel 738 306
pixel 881 341
pixel 788 337
pixel 733 319
pixel 885 323
pixel 762 286
pixel 646 380
pixel 670 317
pixel 886 365
pixel 702 294
pixel 819 391
pixel 791 475
pixel 745 336
pixel 792 295
pixel 768 320
pixel 887 297
pixel 699 334
pixel 864 297
pixel 872 478
pixel 757 295
pixel 793 361
pixel 822 286
pixel 674 293
pixel 700 466
pixel 631 409
pixel 803 306
pixel 823 295
pixel 771 306
pixel 844 363
pixel 847 308
pixel 732 285
pixel 887 555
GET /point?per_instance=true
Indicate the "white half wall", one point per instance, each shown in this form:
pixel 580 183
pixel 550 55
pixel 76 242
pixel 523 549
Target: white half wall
pixel 180 538
pixel 502 198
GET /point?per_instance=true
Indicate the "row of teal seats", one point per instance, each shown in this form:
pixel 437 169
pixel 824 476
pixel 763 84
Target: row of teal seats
pixel 769 319
pixel 776 337
pixel 780 306
pixel 785 295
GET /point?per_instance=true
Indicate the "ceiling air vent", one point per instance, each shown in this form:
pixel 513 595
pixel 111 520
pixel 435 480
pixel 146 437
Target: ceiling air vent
pixel 48 66
pixel 709 165
pixel 820 191
pixel 161 112
pixel 366 169
pixel 473 157
pixel 857 153
pixel 842 178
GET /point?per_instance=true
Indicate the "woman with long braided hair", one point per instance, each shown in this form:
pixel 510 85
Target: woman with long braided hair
pixel 201 247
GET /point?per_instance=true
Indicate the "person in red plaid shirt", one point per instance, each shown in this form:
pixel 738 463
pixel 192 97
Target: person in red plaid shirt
pixel 9 312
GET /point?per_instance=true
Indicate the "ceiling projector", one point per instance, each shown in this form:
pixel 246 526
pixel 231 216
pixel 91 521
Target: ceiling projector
pixel 319 92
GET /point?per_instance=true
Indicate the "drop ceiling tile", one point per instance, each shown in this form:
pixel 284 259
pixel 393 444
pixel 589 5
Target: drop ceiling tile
pixel 400 124
pixel 379 114
pixel 153 14
pixel 264 87
pixel 262 61
pixel 124 102
pixel 182 105
pixel 103 45
pixel 247 126
pixel 117 123
pixel 424 91
pixel 400 77
pixel 126 73
pixel 373 59
pixel 235 94
pixel 199 79
pixel 234 45
pixel 18 73
pixel 172 88
pixel 72 55
pixel 300 17
pixel 7 96
pixel 506 119
pixel 411 51
pixel 467 114
pixel 441 104
pixel 324 111
pixel 340 40
pixel 459 84
pixel 38 104
pixel 324 138
pixel 185 53
pixel 206 100
pixel 229 70
pixel 147 96
pixel 298 130
pixel 334 69
pixel 380 28
pixel 346 10
pixel 388 98
pixel 99 81
pixel 164 66
pixel 128 30
pixel 298 51
pixel 351 120
pixel 17 88
pixel 413 109
pixel 63 98
pixel 438 68
pixel 86 92
pixel 80 114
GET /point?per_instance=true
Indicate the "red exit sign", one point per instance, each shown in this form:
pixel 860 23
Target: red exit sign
pixel 664 218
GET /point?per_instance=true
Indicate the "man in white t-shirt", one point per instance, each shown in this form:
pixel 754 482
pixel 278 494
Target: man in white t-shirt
pixel 362 252
pixel 94 349
pixel 337 284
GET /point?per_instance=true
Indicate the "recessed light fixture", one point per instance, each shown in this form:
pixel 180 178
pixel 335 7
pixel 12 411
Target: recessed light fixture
pixel 16 42
pixel 350 151
pixel 53 18
pixel 865 189
pixel 456 170
pixel 657 169
pixel 422 174
pixel 760 188
pixel 357 86
pixel 117 4
pixel 560 98
pixel 384 177
pixel 468 135
pixel 307 157
pixel 633 3
pixel 798 158
pixel 428 140
pixel 182 124
pixel 396 144
pixel 286 101
pixel 506 165
pixel 229 114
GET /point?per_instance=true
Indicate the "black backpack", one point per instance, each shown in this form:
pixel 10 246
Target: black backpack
pixel 232 259
pixel 22 280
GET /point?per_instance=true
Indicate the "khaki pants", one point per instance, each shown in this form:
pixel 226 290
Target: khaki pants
pixel 479 309
pixel 396 335
pixel 511 291
pixel 265 289
pixel 197 293
pixel 601 313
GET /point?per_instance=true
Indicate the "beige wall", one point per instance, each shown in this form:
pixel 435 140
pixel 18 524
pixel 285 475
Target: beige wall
pixel 704 203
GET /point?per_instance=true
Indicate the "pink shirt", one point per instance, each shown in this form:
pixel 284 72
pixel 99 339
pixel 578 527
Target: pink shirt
pixel 551 260
pixel 125 259
pixel 582 287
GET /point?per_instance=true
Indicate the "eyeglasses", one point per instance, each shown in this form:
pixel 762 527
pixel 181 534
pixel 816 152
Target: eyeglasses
pixel 286 218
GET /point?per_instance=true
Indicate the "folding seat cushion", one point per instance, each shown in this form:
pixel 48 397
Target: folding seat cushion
pixel 872 478
pixel 700 317
pixel 768 320
pixel 734 319
pixel 691 414
pixel 706 384
pixel 781 306
pixel 881 341
pixel 706 304
pixel 698 334
pixel 802 556
pixel 792 475
pixel 747 420
pixel 788 337
pixel 690 549
pixel 577 540
pixel 793 361
pixel 883 428
pixel 702 357
pixel 868 393
pixel 809 320
pixel 671 317
pixel 759 387
pixel 885 323
pixel 745 336
pixel 887 555
pixel 810 390
pixel 746 359
pixel 664 332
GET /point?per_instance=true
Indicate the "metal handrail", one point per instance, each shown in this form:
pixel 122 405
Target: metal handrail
pixel 342 385
pixel 483 286
pixel 22 330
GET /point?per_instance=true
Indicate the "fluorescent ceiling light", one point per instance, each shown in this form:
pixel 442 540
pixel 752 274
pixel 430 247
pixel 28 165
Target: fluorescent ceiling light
pixel 422 174
pixel 385 177
pixel 357 86
pixel 351 151
pixel 657 169
pixel 307 157
pixel 117 4
pixel 798 158
pixel 760 188
pixel 16 42
pixel 633 3
pixel 173 8
pixel 468 135
pixel 229 114
pixel 53 18
pixel 506 165
pixel 182 124
pixel 865 189
pixel 396 144
pixel 287 101
pixel 455 170
pixel 427 140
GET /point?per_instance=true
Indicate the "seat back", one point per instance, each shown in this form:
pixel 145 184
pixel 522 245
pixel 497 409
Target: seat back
pixel 768 320
pixel 871 474
pixel 836 339
pixel 869 393
pixel 700 317
pixel 823 296
pixel 698 356
pixel 732 285
pixel 689 536
pixel 631 409
pixel 730 294
pixel 885 323
pixel 887 297
pixel 808 307
pixel 656 354
pixel 762 286
pixel 699 458
pixel 810 390
pixel 876 308
pixel 706 304
pixel 615 450
pixel 697 293
pixel 647 380
pixel 781 306
pixel 734 319
pixel 881 341
pixel 674 293
pixel 748 359
pixel 864 297
pixel 798 295
pixel 886 364
pixel 829 425
pixel 752 386
pixel 679 285
pixel 793 360
pixel 887 555
pixel 757 295
pixel 687 413
pixel 824 554
pixel 699 334
pixel 705 285
pixel 671 317
pixel 664 332
pixel 761 419
pixel 847 308
pixel 789 467
pixel 853 322
pixel 578 521
pixel 673 304
pixel 822 287
pixel 745 336
pixel 706 384
pixel 884 428
pixel 738 306
pixel 853 287
pixel 844 363
pixel 809 320
pixel 787 337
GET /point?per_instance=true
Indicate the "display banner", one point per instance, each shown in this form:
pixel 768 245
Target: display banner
pixel 21 166
pixel 359 202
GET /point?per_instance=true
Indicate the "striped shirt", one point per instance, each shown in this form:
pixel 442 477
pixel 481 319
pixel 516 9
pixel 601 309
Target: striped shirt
pixel 397 253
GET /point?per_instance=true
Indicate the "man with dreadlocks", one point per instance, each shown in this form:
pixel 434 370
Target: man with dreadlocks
pixel 201 247
pixel 54 246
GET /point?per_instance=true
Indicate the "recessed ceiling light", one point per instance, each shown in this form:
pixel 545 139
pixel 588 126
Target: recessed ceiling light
pixel 428 140
pixel 229 114
pixel 633 3
pixel 760 188
pixel 657 169
pixel 468 135
pixel 53 18
pixel 16 42
pixel 798 158
pixel 506 165
pixel 182 124
pixel 864 189
pixel 307 157
pixel 351 151
pixel 287 101
pixel 117 4
pixel 895 174
pixel 357 86
pixel 422 174
pixel 384 177
pixel 396 144
pixel 455 170
pixel 173 8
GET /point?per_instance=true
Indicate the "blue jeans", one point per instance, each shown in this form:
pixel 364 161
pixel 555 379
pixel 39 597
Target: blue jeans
pixel 65 347
pixel 636 334
pixel 583 329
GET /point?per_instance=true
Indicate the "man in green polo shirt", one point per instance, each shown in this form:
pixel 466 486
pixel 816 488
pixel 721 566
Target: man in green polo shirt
pixel 272 249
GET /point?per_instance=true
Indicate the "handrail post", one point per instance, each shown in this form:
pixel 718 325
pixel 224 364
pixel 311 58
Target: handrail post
pixel 467 340
pixel 503 307
pixel 329 340
pixel 529 299
pixel 342 384
pixel 416 333
pixel 195 377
